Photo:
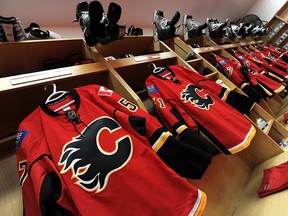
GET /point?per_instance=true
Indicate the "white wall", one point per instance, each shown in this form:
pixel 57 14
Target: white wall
pixel 57 15
pixel 266 9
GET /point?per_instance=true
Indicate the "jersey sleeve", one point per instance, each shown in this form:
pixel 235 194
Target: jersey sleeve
pixel 41 186
pixel 30 202
pixel 32 173
pixel 41 189
pixel 179 121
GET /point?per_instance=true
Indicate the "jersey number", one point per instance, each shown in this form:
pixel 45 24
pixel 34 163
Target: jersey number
pixel 160 101
pixel 23 168
pixel 129 105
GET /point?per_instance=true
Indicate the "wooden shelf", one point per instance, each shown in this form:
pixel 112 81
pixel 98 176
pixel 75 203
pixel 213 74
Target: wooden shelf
pixel 201 41
pixel 283 12
pixel 20 99
pixel 143 59
pixel 230 46
pixel 18 82
pixel 280 120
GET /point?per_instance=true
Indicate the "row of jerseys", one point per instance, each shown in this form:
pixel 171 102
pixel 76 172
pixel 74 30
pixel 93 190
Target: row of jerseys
pixel 91 150
pixel 261 73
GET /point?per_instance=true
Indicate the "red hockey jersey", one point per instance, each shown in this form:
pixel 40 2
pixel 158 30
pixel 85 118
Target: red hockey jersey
pixel 96 157
pixel 272 73
pixel 257 77
pixel 241 77
pixel 275 59
pixel 257 57
pixel 232 71
pixel 198 100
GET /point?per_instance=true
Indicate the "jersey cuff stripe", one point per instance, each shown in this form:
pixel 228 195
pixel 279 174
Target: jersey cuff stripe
pixel 180 129
pixel 245 143
pixel 279 77
pixel 280 89
pixel 199 205
pixel 243 85
pixel 265 89
pixel 224 94
pixel 160 141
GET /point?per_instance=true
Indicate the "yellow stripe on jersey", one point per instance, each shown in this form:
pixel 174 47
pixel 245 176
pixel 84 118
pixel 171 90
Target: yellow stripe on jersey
pixel 280 89
pixel 180 129
pixel 225 95
pixel 266 91
pixel 160 141
pixel 245 143
pixel 277 77
pixel 243 85
pixel 199 205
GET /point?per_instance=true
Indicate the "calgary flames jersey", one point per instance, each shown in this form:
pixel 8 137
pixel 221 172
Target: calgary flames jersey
pixel 200 102
pixel 255 75
pixel 97 156
pixel 274 68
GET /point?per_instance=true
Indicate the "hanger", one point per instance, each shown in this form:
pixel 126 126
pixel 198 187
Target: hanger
pixel 52 97
pixel 56 95
pixel 156 69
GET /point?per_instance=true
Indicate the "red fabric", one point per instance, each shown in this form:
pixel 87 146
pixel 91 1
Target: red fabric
pixel 285 119
pixel 274 180
pixel 232 70
pixel 258 58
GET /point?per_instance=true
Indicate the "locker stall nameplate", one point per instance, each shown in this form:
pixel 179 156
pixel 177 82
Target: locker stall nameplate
pixel 26 78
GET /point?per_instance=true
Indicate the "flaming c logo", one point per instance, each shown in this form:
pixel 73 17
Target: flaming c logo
pixel 94 156
pixel 194 95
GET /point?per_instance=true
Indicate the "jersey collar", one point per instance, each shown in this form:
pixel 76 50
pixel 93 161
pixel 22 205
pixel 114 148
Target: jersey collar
pixel 167 74
pixel 50 112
